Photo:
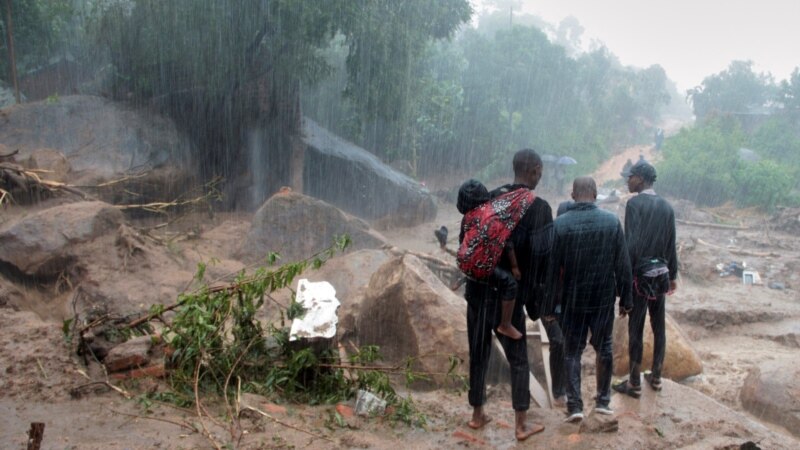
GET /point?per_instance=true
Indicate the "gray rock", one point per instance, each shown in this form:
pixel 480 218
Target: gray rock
pixel 298 226
pixel 408 312
pixel 100 138
pixel 772 392
pixel 39 244
pixel 349 177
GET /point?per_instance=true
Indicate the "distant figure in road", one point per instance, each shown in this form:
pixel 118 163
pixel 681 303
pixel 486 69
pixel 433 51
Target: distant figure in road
pixel 589 267
pixel 627 167
pixel 650 236
pixel 659 138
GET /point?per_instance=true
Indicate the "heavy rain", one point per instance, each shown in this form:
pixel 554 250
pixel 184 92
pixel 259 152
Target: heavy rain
pixel 399 224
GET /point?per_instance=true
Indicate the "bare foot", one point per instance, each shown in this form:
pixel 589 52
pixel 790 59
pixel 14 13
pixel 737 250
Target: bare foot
pixel 479 422
pixel 510 331
pixel 524 432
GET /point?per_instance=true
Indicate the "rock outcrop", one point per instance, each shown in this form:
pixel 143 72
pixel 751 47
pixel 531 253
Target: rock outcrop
pixel 681 360
pixel 343 174
pixel 41 243
pixel 772 393
pixel 297 226
pixel 101 139
pixel 409 313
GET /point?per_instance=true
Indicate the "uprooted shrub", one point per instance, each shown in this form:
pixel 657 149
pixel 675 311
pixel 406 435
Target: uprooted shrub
pixel 219 347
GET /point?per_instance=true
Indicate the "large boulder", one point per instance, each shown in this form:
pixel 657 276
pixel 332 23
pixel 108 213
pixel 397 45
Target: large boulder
pixel 681 360
pixel 772 393
pixel 100 138
pixel 409 313
pixel 41 243
pixel 345 175
pixel 298 226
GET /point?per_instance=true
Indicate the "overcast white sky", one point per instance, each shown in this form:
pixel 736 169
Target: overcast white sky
pixel 690 39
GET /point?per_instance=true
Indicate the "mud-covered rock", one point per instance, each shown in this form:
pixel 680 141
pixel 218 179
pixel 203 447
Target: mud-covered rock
pixel 345 175
pixel 52 164
pixel 100 138
pixel 772 392
pixel 681 360
pixel 410 313
pixel 41 243
pixel 298 226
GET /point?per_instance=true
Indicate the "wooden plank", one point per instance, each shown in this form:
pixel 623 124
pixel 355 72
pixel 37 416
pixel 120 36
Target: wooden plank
pixel 538 394
pixel 546 361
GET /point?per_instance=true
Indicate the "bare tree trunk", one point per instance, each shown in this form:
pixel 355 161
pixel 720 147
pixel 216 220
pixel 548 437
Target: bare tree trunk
pixel 11 58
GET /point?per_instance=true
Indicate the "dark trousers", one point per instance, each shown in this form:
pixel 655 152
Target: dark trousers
pixel 557 368
pixel 483 316
pixel 636 335
pixel 577 326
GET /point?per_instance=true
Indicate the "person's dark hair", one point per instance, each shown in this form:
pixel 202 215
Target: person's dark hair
pixel 471 194
pixel 526 159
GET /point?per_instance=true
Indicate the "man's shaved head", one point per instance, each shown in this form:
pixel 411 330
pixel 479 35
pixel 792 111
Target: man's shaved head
pixel 526 159
pixel 527 168
pixel 584 189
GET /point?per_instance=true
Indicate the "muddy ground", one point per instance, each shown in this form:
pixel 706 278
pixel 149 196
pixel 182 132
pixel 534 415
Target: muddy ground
pixel 733 327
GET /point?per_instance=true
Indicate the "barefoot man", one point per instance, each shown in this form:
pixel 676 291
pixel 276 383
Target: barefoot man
pixel 483 307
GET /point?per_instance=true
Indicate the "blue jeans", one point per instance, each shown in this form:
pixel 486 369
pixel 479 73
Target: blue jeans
pixel 576 331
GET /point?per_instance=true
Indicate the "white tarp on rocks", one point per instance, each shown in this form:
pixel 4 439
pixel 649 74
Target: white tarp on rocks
pixel 320 320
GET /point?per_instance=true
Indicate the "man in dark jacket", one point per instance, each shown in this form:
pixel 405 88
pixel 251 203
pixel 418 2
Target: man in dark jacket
pixel 590 265
pixel 532 239
pixel 650 235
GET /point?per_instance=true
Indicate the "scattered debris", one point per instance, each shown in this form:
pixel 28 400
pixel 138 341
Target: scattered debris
pixel 368 404
pixel 320 304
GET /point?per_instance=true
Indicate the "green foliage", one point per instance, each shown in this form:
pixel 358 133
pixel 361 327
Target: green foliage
pixel 42 29
pixel 764 183
pixel 735 90
pixel 218 343
pixel 699 163
pixel 703 164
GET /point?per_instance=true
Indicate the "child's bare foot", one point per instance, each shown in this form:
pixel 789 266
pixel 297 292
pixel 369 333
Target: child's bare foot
pixel 479 421
pixel 517 274
pixel 509 331
pixel 524 431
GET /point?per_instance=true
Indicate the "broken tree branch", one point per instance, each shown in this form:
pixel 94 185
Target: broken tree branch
pixel 136 416
pixel 262 413
pixel 738 251
pixel 720 226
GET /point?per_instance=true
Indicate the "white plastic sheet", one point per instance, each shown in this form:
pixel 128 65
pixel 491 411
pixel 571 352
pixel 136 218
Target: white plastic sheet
pixel 320 320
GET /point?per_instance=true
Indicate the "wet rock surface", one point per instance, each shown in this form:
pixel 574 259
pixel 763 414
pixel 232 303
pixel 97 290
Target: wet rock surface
pixel 409 312
pixel 298 226
pixel 100 138
pixel 772 392
pixel 681 360
pixel 42 243
pixel 345 175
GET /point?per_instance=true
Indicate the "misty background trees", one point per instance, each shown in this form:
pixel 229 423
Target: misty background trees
pixel 426 86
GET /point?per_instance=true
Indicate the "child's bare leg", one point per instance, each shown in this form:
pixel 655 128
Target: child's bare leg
pixel 505 327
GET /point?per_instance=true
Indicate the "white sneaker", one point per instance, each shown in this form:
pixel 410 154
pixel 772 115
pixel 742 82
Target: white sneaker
pixel 604 410
pixel 574 417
